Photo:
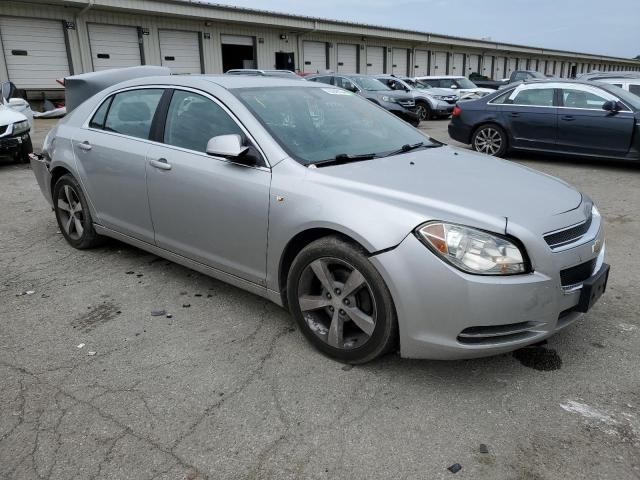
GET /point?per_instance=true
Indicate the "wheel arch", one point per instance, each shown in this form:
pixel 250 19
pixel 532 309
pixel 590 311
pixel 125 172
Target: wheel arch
pixel 300 241
pixel 56 173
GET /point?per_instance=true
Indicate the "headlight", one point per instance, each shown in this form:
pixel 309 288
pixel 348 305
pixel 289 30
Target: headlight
pixel 21 127
pixel 472 250
pixel 439 97
pixel 385 98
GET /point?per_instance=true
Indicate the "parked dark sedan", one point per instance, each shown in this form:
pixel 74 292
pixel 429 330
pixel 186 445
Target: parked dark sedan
pixel 398 103
pixel 567 117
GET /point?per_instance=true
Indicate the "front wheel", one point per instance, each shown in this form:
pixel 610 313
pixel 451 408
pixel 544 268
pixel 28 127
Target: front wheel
pixel 423 110
pixel 340 301
pixel 490 139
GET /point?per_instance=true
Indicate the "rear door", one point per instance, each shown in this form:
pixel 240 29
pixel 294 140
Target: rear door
pixel 204 207
pixel 531 117
pixel 114 46
pixel 111 151
pixel 584 127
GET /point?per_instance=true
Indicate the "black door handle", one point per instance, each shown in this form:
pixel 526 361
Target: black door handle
pixel 568 118
pixel 514 114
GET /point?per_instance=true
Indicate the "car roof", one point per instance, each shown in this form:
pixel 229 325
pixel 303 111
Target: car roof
pixel 229 82
pixel 434 77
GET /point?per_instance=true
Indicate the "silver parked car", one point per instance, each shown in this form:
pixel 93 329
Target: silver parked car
pixel 372 234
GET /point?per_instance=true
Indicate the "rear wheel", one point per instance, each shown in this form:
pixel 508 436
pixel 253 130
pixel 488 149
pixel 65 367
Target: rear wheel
pixel 72 213
pixel 341 302
pixel 490 139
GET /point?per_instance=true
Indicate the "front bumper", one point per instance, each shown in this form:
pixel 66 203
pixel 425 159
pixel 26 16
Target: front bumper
pixel 40 168
pixel 447 314
pixel 12 144
pixel 404 113
pixel 441 107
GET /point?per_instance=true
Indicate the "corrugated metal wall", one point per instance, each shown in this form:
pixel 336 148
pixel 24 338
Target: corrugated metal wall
pixel 287 37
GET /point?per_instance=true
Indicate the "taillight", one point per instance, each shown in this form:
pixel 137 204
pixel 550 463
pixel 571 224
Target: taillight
pixel 456 111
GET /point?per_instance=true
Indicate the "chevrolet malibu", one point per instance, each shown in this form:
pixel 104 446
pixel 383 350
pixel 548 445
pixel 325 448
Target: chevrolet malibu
pixel 374 236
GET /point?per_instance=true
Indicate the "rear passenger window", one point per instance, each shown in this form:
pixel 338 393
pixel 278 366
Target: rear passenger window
pixel 634 88
pixel 193 120
pixel 98 118
pixel 132 112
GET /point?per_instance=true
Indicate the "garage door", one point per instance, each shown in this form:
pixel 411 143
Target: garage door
pixel 375 60
pixel 472 64
pixel 35 52
pixel 348 58
pixel 456 66
pixel 315 56
pixel 180 51
pixel 399 61
pixel 421 63
pixel 114 46
pixel 498 68
pixel 487 66
pixel 439 63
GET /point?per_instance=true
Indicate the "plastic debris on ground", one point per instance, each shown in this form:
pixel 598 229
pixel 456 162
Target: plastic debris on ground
pixel 484 448
pixel 91 354
pixel 455 468
pixel 81 345
pixel 158 313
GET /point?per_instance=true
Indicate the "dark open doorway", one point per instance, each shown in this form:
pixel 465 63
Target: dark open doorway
pixel 238 56
pixel 285 61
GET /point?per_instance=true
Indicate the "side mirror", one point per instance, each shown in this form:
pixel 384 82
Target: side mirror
pixel 454 86
pixel 352 88
pixel 227 146
pixel 610 106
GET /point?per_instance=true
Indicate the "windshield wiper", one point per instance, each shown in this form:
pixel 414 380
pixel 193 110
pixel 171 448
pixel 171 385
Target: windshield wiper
pixel 408 147
pixel 343 158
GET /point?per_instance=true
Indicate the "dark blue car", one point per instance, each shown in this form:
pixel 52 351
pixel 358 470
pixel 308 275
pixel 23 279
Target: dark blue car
pixel 565 117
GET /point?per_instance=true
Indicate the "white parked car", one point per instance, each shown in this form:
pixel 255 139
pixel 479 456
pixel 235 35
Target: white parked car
pixel 464 87
pixel 16 121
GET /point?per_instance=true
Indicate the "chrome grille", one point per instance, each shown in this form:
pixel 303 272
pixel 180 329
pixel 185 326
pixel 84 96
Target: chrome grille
pixel 568 235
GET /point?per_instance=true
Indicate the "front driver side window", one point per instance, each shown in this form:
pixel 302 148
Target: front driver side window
pixel 573 98
pixel 192 120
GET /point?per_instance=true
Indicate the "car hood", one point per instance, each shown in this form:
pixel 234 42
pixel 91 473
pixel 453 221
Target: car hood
pixel 438 91
pixel 456 185
pixel 9 116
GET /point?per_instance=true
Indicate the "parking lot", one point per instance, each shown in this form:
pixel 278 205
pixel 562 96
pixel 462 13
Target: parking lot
pixel 228 388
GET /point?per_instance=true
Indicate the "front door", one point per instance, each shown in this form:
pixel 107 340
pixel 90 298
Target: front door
pixel 111 154
pixel 531 117
pixel 207 208
pixel 584 127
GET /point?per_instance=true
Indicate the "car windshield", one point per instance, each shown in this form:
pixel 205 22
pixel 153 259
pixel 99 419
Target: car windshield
pixel 464 83
pixel 370 84
pixel 319 124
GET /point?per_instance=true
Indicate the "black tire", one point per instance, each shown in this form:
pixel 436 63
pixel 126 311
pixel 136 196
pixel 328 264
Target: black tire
pixel 25 149
pixel 87 237
pixel 426 108
pixel 343 254
pixel 490 139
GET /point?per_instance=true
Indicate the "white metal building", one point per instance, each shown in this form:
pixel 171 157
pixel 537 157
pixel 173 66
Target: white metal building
pixel 42 40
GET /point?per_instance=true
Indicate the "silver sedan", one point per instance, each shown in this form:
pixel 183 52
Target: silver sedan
pixel 374 236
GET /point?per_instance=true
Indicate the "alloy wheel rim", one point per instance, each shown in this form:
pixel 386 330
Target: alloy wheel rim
pixel 337 303
pixel 70 211
pixel 488 141
pixel 422 112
